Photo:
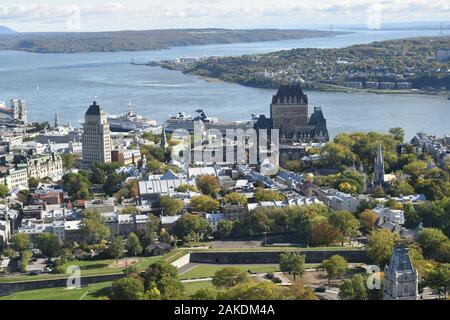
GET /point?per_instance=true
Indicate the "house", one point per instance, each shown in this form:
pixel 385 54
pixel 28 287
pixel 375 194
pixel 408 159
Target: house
pixel 167 222
pixel 390 215
pixel 201 171
pixel 155 186
pixel 234 212
pixel 264 204
pixel 337 200
pixel 33 212
pixel 102 205
pixel 214 219
pixel 131 223
pixel 158 249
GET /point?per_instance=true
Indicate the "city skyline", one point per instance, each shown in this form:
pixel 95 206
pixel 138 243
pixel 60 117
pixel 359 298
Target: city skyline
pixel 65 16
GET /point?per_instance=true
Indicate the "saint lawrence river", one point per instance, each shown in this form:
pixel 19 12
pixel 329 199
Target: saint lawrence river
pixel 67 83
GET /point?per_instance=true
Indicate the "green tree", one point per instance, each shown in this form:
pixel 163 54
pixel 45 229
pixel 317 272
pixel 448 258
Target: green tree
pixel 128 288
pixel 224 229
pixel 133 246
pixel 431 241
pixel 368 219
pixel 9 252
pixel 323 232
pixel 347 187
pixel 402 188
pixel 116 248
pixel 380 246
pixel 204 203
pixel 77 185
pixel 186 188
pixel 3 190
pixel 398 133
pixel 335 267
pixel 335 155
pixel 33 182
pixel 25 258
pixel 171 206
pixel 439 280
pixel 208 184
pixel 94 226
pixel 378 192
pixel 113 183
pixel 228 277
pixel 191 224
pixel 48 243
pixel 69 160
pixel 346 291
pixel 97 175
pixel 293 165
pixel 292 263
pixel 204 294
pixel 130 210
pixel 267 195
pixel 163 276
pixel 235 198
pixel 354 289
pixel 346 223
pixel 254 291
pixel 21 241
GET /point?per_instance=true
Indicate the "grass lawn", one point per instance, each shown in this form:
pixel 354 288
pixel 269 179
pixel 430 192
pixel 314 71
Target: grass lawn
pixel 91 292
pixel 96 267
pixel 208 270
pixel 193 287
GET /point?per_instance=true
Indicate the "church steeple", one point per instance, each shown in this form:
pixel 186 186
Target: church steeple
pixel 378 174
pixel 164 143
pixel 57 122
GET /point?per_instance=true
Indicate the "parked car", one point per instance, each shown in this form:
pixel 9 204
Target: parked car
pixel 320 289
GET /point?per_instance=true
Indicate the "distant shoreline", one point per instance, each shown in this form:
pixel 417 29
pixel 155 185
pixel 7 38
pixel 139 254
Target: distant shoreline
pixel 150 40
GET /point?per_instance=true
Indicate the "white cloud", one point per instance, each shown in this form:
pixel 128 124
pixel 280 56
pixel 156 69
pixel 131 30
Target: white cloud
pixel 182 13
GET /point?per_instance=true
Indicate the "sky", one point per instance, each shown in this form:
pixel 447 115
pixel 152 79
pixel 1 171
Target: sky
pixel 97 15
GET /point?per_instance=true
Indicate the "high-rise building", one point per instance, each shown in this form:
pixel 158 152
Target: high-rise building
pixel 19 109
pixel 400 276
pixel 96 137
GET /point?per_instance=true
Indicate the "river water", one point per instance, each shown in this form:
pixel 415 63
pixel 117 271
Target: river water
pixel 67 83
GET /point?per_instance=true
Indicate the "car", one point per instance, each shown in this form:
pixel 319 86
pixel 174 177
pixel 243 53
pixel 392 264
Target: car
pixel 320 289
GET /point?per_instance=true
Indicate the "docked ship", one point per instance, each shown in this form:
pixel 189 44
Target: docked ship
pixel 130 122
pixel 185 121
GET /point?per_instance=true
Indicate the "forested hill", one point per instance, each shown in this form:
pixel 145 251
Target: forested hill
pixel 145 40
pixel 411 60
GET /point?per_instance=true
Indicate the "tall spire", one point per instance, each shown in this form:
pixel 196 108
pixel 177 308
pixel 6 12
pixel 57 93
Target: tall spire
pixel 164 143
pixel 378 175
pixel 57 122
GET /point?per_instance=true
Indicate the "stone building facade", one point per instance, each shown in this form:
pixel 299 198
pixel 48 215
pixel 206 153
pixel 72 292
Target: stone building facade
pixel 46 165
pixel 400 276
pixel 290 114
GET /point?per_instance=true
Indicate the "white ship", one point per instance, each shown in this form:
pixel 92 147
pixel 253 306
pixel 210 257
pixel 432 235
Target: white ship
pixel 185 121
pixel 130 122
